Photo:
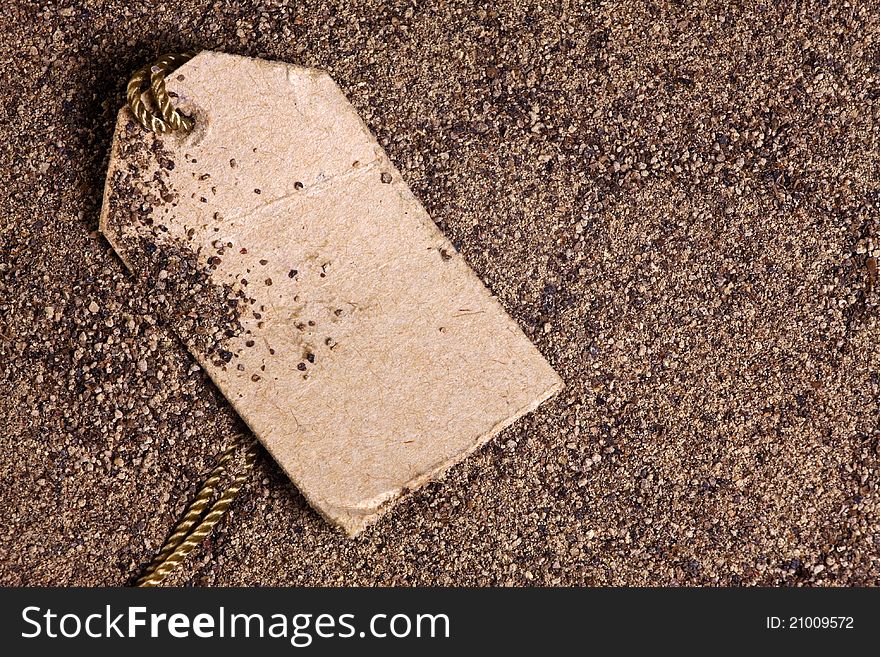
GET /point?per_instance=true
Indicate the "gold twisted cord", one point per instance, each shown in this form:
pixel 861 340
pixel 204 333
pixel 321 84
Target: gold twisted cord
pixel 196 509
pixel 184 538
pixel 162 67
pixel 195 525
pixel 144 116
pixel 154 75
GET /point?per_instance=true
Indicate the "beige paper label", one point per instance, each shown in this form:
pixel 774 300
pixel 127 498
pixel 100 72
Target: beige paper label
pixel 312 286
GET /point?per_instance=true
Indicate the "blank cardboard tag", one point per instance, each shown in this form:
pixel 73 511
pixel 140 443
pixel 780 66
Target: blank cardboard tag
pixel 312 286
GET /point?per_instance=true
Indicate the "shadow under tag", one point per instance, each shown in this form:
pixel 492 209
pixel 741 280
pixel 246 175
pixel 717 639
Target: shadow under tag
pixel 312 286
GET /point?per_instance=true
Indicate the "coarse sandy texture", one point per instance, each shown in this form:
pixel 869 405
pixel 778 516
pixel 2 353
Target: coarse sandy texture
pixel 679 206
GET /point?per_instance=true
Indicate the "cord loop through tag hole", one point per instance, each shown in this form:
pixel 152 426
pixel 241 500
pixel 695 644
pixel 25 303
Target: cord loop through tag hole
pixel 166 118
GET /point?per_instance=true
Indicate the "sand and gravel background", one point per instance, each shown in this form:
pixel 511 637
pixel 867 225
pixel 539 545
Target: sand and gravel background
pixel 677 201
